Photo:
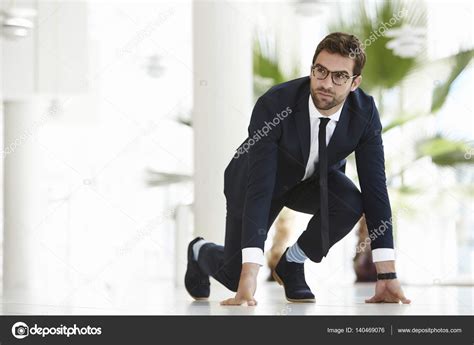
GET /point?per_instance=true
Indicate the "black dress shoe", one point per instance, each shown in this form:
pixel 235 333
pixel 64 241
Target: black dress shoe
pixel 291 276
pixel 196 282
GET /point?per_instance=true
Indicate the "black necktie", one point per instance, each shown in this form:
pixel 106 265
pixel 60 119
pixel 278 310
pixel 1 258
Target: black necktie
pixel 323 184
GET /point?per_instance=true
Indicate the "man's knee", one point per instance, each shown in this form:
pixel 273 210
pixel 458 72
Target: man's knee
pixel 316 257
pixel 351 205
pixel 356 207
pixel 315 254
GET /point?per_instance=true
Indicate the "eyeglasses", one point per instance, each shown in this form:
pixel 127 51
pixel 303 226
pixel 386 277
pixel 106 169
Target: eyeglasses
pixel 338 78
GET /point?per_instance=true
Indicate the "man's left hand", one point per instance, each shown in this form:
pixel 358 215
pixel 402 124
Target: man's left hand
pixel 388 291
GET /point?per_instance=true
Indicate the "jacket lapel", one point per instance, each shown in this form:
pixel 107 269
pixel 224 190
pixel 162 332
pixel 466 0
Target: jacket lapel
pixel 303 126
pixel 340 132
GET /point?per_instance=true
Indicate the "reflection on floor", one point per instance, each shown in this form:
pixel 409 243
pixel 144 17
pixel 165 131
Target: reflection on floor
pixel 165 299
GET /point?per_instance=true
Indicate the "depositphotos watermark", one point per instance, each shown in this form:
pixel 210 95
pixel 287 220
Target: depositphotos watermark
pixel 469 153
pixel 262 132
pixel 21 330
pixel 376 233
pixel 380 31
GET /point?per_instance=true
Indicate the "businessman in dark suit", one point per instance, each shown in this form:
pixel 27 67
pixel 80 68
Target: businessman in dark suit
pixel 300 133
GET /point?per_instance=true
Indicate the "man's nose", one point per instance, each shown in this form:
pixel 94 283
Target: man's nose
pixel 327 83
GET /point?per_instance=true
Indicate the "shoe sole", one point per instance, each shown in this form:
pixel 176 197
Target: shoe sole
pixel 304 300
pixel 200 298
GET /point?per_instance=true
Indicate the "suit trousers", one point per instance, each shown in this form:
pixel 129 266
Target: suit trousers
pixel 224 263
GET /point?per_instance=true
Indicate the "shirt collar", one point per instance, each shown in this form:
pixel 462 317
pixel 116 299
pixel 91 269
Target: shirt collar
pixel 313 111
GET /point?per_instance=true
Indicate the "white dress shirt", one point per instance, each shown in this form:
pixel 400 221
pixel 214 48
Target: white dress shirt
pixel 255 254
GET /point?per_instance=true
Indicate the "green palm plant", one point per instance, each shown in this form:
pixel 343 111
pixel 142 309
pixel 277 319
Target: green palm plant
pixel 444 151
pixel 267 71
pixel 385 70
pixel 459 63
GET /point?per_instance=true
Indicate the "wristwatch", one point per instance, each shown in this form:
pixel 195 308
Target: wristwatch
pixel 383 276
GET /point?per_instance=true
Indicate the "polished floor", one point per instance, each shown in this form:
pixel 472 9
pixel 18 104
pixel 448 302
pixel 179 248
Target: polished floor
pixel 166 299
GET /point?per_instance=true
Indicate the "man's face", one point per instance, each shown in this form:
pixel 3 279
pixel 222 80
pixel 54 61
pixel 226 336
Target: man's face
pixel 325 93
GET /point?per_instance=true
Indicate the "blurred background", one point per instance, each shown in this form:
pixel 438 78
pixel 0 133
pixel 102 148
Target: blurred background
pixel 119 119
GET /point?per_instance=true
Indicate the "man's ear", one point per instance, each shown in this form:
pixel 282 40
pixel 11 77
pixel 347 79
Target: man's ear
pixel 356 82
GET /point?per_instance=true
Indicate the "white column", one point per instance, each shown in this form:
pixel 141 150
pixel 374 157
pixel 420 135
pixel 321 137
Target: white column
pixel 222 104
pixel 22 203
pixel 52 60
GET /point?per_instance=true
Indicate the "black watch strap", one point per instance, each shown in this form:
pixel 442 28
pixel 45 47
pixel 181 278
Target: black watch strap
pixel 382 276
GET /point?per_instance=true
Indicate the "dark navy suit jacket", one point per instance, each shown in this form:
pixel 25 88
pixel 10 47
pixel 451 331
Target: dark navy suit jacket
pixel 273 159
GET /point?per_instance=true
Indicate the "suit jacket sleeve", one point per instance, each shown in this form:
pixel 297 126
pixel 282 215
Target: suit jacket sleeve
pixel 370 162
pixel 262 167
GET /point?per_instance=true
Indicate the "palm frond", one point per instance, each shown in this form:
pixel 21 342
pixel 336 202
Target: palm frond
pixel 383 69
pixel 440 93
pixel 445 152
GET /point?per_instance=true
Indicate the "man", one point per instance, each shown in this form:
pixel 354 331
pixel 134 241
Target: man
pixel 300 133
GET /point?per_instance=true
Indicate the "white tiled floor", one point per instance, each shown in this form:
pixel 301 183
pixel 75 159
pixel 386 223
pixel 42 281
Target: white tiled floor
pixel 165 299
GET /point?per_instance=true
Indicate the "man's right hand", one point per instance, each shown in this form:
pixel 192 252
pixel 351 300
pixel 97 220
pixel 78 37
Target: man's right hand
pixel 247 286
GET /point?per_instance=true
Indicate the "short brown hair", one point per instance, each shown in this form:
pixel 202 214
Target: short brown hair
pixel 346 45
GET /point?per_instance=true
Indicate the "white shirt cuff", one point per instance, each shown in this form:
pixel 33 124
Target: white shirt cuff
pixel 383 254
pixel 253 255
